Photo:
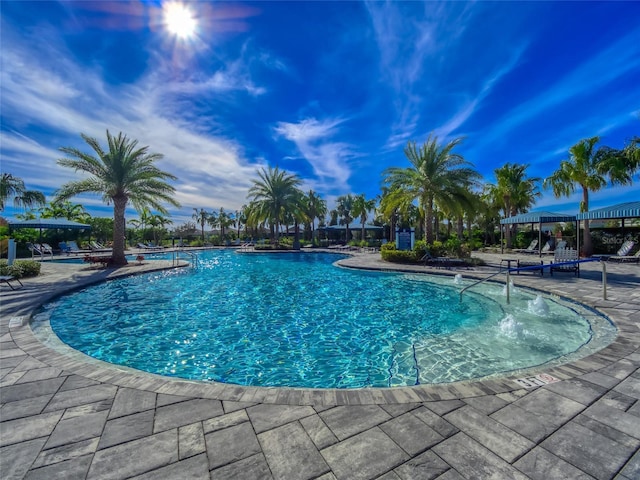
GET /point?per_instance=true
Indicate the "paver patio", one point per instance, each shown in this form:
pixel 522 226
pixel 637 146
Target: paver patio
pixel 63 415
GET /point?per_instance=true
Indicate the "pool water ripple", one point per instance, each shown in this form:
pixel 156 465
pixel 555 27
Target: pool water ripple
pixel 298 320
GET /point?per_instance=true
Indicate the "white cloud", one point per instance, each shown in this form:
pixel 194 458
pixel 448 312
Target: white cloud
pixel 329 159
pixel 42 87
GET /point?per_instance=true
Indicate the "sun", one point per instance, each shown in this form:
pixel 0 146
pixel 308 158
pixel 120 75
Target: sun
pixel 179 20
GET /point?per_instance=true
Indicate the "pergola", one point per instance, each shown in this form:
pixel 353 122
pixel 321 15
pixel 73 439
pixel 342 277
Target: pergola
pixel 533 218
pixel 621 211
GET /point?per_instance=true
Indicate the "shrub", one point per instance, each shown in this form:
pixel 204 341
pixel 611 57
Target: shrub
pixel 420 249
pixel 20 268
pixel 388 246
pixel 398 256
pixel 436 249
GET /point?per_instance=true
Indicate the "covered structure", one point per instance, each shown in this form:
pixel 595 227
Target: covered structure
pixel 535 218
pixel 353 227
pixel 48 223
pixel 620 211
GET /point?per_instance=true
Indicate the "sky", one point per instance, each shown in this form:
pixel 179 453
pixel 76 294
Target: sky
pixel 330 91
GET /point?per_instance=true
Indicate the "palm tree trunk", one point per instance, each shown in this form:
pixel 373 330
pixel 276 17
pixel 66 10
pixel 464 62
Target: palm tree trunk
pixel 428 222
pixel 119 206
pixel 587 246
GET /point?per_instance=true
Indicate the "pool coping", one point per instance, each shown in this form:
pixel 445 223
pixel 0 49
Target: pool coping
pixel 626 342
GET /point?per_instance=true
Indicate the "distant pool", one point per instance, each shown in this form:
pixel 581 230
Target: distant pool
pixel 130 258
pixel 297 320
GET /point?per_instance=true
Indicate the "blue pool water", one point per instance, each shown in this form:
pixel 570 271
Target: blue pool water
pixel 298 320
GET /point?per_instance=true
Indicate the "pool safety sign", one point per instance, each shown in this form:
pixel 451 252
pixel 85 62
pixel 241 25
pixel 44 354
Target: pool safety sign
pixel 536 380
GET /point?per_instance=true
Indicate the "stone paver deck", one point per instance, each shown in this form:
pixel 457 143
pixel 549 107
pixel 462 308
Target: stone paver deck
pixel 63 415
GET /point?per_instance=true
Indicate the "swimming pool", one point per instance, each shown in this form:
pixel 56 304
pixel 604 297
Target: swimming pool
pixel 298 320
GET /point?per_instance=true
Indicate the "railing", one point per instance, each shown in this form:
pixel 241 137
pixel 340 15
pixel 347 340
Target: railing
pixel 541 267
pixel 193 257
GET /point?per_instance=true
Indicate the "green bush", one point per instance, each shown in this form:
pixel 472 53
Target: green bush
pixel 420 249
pixel 398 256
pixel 436 249
pixel 286 241
pixel 20 268
pixel 388 246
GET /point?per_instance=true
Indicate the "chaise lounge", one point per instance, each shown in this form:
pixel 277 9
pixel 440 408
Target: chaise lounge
pixel 8 279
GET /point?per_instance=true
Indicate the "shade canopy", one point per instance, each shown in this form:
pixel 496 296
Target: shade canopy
pixel 48 223
pixel 352 226
pixel 621 210
pixel 538 217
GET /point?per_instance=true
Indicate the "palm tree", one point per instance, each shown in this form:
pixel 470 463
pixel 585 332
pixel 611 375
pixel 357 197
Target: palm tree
pixel 155 221
pixel 124 174
pixel 344 207
pixel 316 207
pixel 589 169
pixel 436 177
pixel 272 195
pixel 201 217
pixel 361 208
pixel 13 188
pixel 514 191
pixel 224 221
pixel 66 209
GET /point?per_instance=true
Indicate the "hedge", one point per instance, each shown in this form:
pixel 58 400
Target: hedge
pixel 20 268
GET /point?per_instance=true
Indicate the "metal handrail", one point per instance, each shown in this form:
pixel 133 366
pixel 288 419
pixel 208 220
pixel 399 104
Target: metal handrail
pixel 508 271
pixel 194 257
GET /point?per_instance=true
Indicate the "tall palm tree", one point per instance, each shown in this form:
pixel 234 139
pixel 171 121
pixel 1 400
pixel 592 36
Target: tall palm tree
pixel 224 221
pixel 437 176
pixel 361 208
pixel 316 207
pixel 13 188
pixel 273 194
pixel 123 174
pixel 344 207
pixel 590 170
pixel 156 221
pixel 514 191
pixel 201 217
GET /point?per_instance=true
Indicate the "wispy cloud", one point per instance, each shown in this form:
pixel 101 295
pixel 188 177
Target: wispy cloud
pixel 329 159
pixel 42 86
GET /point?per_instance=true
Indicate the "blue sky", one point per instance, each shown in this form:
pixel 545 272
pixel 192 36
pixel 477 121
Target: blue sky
pixel 331 91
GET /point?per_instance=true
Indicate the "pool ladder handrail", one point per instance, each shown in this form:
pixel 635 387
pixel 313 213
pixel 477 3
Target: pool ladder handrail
pixel 192 255
pixel 541 267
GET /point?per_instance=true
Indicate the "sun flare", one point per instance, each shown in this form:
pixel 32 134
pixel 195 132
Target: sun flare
pixel 179 20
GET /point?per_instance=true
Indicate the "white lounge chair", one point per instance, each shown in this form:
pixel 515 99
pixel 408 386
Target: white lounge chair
pixel 625 258
pixel 530 249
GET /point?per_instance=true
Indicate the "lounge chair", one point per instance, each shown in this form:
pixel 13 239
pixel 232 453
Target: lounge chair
pixel 74 248
pixel 563 255
pixel 142 246
pixel 8 278
pixel 530 249
pixel 64 248
pixel 623 251
pixel 97 247
pixel 36 248
pixel 559 246
pixel 625 258
pixel 441 262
